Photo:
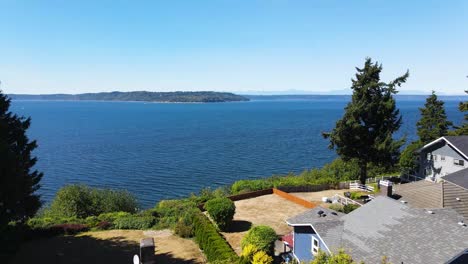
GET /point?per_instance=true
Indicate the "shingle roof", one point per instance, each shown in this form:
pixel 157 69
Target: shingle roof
pixel 312 216
pixel 385 227
pixel 460 142
pixel 459 178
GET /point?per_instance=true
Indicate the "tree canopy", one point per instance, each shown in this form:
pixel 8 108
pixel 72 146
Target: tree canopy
pixel 463 129
pixel 365 132
pixel 18 180
pixel 433 123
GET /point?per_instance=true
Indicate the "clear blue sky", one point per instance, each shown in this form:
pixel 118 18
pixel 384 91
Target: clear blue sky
pixel 270 45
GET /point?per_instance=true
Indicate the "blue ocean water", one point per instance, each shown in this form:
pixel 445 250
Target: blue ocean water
pixel 160 151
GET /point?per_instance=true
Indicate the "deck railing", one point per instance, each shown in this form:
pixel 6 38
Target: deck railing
pixel 344 200
pixel 361 187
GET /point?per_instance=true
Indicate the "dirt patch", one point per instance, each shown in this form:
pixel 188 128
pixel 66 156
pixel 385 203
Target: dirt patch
pixel 114 246
pixel 317 196
pixel 270 210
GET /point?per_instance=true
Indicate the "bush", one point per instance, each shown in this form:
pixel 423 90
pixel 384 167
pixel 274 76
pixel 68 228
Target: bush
pixel 344 209
pixel 349 208
pixel 82 201
pixel 104 225
pixel 134 222
pixel 111 217
pixel 261 258
pixel 183 229
pixel 170 211
pixel 216 249
pixel 261 237
pixel 68 229
pixel 222 211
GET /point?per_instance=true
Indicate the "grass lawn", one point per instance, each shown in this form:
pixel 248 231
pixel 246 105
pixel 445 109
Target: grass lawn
pixel 113 246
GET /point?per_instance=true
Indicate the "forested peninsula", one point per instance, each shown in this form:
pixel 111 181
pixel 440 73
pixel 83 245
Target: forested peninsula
pixel 143 96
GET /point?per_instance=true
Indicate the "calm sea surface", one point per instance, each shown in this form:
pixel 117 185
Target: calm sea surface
pixel 160 151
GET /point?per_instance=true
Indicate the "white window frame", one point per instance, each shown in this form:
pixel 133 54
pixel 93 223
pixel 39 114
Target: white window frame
pixel 457 162
pixel 315 249
pixel 442 158
pixel 435 157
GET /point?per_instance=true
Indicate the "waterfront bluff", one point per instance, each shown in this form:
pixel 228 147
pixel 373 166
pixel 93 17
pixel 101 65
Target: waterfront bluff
pixel 142 96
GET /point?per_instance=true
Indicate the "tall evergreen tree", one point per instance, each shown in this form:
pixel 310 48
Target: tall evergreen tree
pixel 365 132
pixel 433 123
pixel 18 179
pixel 463 129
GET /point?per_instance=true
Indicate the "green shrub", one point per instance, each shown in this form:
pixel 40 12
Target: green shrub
pixel 357 195
pixel 134 222
pixel 46 222
pixel 344 209
pixel 349 208
pixel 82 201
pixel 170 211
pixel 261 237
pixel 111 217
pixel 337 207
pixel 216 249
pixel 92 221
pixel 222 211
pixel 183 229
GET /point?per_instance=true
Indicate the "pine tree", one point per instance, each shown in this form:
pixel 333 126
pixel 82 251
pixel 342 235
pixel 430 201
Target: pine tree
pixel 433 123
pixel 463 129
pixel 365 132
pixel 18 179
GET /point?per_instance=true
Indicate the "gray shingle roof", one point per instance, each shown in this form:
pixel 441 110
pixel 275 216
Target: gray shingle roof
pixel 385 227
pixel 312 217
pixel 460 142
pixel 459 178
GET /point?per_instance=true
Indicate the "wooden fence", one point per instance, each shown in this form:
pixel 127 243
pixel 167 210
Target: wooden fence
pixel 294 199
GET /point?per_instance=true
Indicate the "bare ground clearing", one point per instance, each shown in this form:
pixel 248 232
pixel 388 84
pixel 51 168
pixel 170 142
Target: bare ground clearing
pixel 114 246
pixel 317 196
pixel 271 210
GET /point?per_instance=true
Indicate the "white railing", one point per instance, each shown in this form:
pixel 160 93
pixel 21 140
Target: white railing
pixel 361 187
pixel 344 200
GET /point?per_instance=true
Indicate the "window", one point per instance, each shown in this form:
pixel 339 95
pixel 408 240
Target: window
pixel 429 156
pixel 435 157
pixel 459 162
pixel 442 158
pixel 315 246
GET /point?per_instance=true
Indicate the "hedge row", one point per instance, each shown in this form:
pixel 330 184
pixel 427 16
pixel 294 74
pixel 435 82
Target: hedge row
pixel 211 242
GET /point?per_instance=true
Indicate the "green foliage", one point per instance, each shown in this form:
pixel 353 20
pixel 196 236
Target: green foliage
pixel 339 258
pixel 463 129
pixel 135 222
pixel 344 209
pixel 46 222
pixel 408 162
pixel 433 123
pixel 112 216
pixel 365 132
pixel 349 208
pixel 82 201
pixel 261 237
pixel 216 249
pixel 208 194
pixel 356 195
pixel 18 180
pixel 261 257
pixel 331 173
pixel 169 212
pixel 222 211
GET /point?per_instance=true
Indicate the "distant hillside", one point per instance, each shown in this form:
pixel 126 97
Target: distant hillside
pixel 173 97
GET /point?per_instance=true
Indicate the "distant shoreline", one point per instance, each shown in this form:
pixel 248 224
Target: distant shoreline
pixel 137 96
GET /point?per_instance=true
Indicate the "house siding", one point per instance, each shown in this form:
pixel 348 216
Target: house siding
pixel 303 243
pixel 438 167
pixel 450 193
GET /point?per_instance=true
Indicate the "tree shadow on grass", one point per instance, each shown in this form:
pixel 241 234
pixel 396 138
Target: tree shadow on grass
pixel 84 249
pixel 239 226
